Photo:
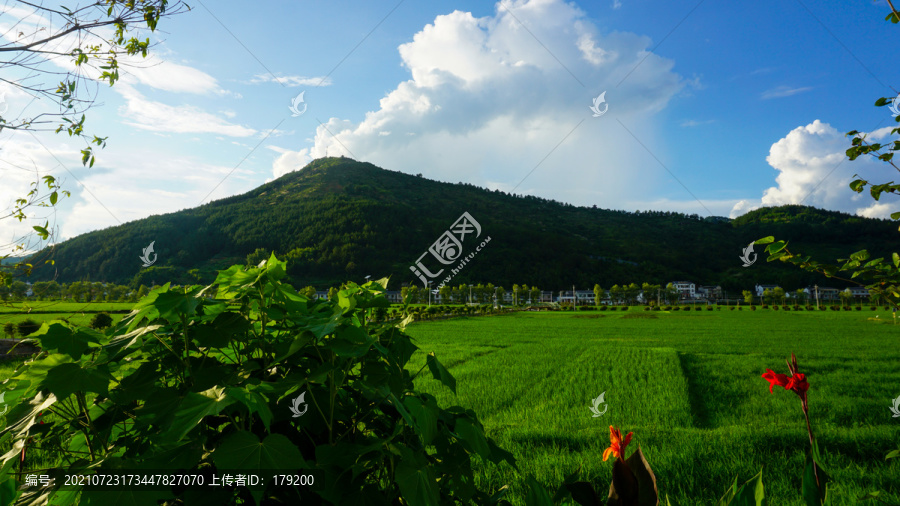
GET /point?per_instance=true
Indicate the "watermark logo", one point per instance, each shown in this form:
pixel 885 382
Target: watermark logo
pixel 596 107
pixel 3 105
pixel 895 409
pixel 295 406
pixel 895 106
pixel 746 256
pixel 448 250
pixel 595 408
pixel 146 256
pixel 295 103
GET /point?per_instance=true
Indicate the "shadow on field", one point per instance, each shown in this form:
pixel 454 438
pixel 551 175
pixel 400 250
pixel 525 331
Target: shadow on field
pixel 563 442
pixel 707 391
pixel 453 363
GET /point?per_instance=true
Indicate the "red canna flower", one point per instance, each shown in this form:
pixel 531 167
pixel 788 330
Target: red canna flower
pixel 796 382
pixel 775 379
pixel 616 444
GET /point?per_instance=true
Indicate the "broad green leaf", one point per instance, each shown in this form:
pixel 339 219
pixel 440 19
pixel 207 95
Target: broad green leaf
pixel 776 247
pixel 647 494
pixel 255 403
pixel 220 332
pixel 440 373
pixel 402 410
pixel 173 305
pixel 583 493
pixel 426 416
pixel 350 341
pixel 624 485
pixel 417 482
pixel 8 492
pixel 193 408
pixel 473 436
pixel 61 337
pixel 765 240
pixel 750 493
pixel 813 494
pixel 245 452
pixel 537 494
pixel 66 379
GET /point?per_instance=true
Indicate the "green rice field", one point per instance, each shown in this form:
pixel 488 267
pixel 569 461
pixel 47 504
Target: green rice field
pixel 77 313
pixel 688 384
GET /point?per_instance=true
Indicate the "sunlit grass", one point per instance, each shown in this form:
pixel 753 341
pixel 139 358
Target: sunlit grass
pixel 688 384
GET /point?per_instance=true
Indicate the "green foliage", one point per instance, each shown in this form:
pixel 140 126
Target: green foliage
pixel 751 493
pixel 9 328
pixel 27 326
pixel 205 377
pixel 101 321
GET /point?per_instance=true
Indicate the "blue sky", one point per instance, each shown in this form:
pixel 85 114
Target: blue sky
pixel 713 107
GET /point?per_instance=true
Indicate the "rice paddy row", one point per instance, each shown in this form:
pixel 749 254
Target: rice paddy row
pixel 688 385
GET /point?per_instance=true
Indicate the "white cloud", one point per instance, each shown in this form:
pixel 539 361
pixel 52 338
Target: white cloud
pixel 488 100
pixel 783 91
pixel 146 114
pixel 814 170
pixel 694 122
pixel 289 161
pixel 292 81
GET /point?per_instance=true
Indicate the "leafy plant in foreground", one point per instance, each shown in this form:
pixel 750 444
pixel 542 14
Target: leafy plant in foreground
pixel 199 383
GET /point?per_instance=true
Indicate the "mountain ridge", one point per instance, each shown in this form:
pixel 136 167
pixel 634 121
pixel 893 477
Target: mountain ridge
pixel 339 219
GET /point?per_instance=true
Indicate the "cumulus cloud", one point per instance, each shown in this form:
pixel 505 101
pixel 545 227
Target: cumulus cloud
pixel 814 170
pixel 490 99
pixel 289 161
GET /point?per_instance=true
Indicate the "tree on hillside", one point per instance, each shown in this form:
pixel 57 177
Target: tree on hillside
pixel 778 294
pixel 748 296
pixel 614 294
pixel 631 293
pixel 598 294
pixel 845 296
pixel 27 326
pixel 18 290
pixel 801 296
pixel 516 289
pixel 258 255
pixel 464 291
pixel 446 292
pixel 43 33
pixel 332 293
pixel 671 294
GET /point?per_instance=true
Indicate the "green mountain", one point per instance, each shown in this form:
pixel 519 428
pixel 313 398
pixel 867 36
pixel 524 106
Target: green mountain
pixel 339 219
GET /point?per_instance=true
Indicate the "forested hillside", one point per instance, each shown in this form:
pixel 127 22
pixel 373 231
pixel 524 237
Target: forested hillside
pixel 340 219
